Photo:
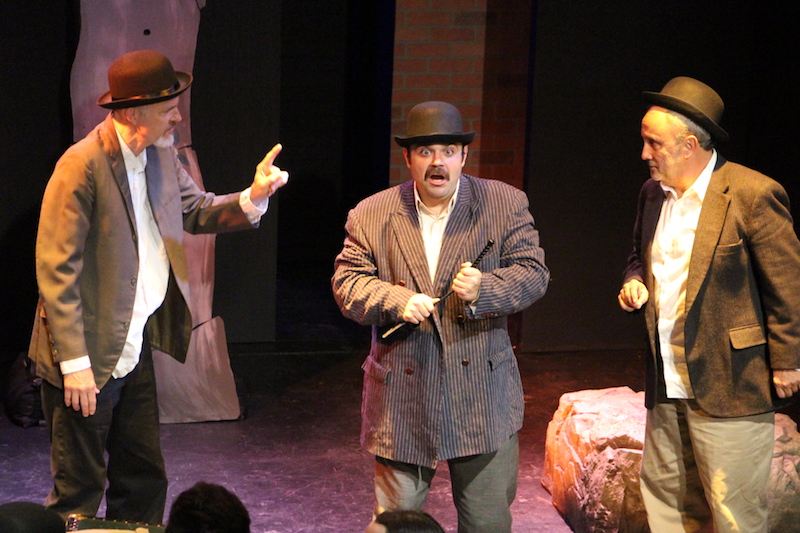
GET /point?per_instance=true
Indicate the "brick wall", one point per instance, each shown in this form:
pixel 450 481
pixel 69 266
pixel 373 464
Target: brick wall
pixel 473 54
pixel 439 48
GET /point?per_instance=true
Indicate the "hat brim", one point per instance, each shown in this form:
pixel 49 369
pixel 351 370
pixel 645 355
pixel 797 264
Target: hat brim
pixel 184 81
pixel 439 138
pixel 689 111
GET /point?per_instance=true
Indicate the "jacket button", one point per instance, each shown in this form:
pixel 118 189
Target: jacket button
pixel 133 282
pixel 409 370
pixel 460 318
pixel 401 283
pixel 465 362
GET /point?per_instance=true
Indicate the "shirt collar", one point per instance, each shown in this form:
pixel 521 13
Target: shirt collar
pixel 700 185
pixel 422 208
pixel 134 164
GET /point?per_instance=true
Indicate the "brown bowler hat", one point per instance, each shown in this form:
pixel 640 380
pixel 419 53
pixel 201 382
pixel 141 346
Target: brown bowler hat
pixel 434 123
pixel 695 100
pixel 142 77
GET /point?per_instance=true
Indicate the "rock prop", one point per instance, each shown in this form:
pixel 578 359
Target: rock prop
pixel 594 450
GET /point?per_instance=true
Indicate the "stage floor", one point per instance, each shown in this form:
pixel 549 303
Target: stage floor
pixel 295 459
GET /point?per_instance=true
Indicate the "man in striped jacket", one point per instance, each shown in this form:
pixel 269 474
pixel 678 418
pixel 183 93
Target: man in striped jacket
pixel 441 380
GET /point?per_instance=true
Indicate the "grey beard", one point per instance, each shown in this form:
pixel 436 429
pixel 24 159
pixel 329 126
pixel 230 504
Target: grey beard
pixel 165 141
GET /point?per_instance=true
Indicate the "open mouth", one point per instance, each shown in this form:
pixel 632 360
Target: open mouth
pixel 436 176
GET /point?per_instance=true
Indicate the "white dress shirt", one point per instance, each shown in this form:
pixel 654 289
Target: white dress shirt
pixel 433 227
pixel 670 256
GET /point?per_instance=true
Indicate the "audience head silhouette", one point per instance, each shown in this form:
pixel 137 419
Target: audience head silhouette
pixel 208 508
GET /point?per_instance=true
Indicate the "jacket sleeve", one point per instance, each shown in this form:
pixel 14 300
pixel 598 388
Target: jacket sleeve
pixel 66 213
pixel 361 294
pixel 634 268
pixel 775 252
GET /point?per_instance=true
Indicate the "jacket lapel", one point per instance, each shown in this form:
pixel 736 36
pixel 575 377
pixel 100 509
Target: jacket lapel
pixel 108 134
pixel 405 225
pixel 709 228
pixel 456 237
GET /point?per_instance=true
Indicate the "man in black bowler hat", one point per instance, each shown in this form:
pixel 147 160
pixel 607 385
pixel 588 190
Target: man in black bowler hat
pixel 715 267
pixel 441 381
pixel 113 282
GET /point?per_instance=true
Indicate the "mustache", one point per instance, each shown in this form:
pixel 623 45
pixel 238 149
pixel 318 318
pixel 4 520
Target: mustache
pixel 436 171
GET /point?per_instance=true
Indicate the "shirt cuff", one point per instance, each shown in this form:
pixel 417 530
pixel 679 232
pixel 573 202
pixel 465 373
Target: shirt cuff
pixel 252 211
pixel 75 365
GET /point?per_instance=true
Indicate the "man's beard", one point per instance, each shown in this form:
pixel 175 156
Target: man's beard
pixel 165 141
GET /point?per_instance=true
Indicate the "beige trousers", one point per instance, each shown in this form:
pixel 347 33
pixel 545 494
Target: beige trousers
pixel 706 474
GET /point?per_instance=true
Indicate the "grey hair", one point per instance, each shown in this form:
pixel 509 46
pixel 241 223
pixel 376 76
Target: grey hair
pixel 703 137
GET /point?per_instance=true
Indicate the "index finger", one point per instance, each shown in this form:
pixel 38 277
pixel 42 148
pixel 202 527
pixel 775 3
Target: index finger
pixel 271 155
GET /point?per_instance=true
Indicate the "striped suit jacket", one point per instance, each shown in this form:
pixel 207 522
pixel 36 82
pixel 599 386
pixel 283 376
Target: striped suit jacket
pixel 450 387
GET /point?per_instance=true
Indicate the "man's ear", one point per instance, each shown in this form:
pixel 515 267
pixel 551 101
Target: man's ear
pixel 691 143
pixel 464 152
pixel 129 114
pixel 407 157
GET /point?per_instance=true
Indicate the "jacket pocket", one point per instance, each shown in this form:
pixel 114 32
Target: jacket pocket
pixel 728 249
pixel 499 358
pixel 375 370
pixel 747 336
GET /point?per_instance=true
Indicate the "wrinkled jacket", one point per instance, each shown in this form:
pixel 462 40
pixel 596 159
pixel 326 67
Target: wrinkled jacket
pixel 87 258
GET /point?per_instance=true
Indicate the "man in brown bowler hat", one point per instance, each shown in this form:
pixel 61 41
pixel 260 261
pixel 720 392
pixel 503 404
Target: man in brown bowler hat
pixel 715 267
pixel 113 282
pixel 445 385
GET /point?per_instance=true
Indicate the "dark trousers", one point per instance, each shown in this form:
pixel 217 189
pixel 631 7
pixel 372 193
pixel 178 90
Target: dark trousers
pixel 126 427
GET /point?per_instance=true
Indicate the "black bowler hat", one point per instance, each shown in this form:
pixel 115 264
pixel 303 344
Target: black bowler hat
pixel 434 123
pixel 140 78
pixel 695 100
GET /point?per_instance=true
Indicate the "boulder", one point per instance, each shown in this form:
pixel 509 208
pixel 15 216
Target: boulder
pixel 593 453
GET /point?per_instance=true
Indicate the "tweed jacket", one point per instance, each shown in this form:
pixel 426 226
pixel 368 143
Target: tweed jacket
pixel 743 291
pixel 87 254
pixel 450 387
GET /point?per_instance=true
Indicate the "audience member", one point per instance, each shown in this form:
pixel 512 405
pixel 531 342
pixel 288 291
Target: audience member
pixel 208 508
pixel 27 517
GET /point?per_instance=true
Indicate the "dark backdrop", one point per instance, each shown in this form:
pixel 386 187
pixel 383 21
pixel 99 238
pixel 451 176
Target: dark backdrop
pixel 592 61
pixel 316 76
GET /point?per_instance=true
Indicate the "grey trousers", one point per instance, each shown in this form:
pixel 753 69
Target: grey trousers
pixel 484 487
pixel 704 474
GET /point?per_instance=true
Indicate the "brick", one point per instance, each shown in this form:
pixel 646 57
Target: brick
pixel 463 49
pixel 455 65
pixel 409 96
pixel 428 80
pixel 455 96
pixel 411 65
pixel 452 34
pixel 467 80
pixel 458 5
pixel 437 19
pixel 428 49
pixel 413 34
pixel 470 18
pixel 497 157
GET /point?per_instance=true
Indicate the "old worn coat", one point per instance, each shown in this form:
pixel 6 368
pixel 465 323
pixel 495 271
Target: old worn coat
pixel 87 255
pixel 450 387
pixel 743 291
